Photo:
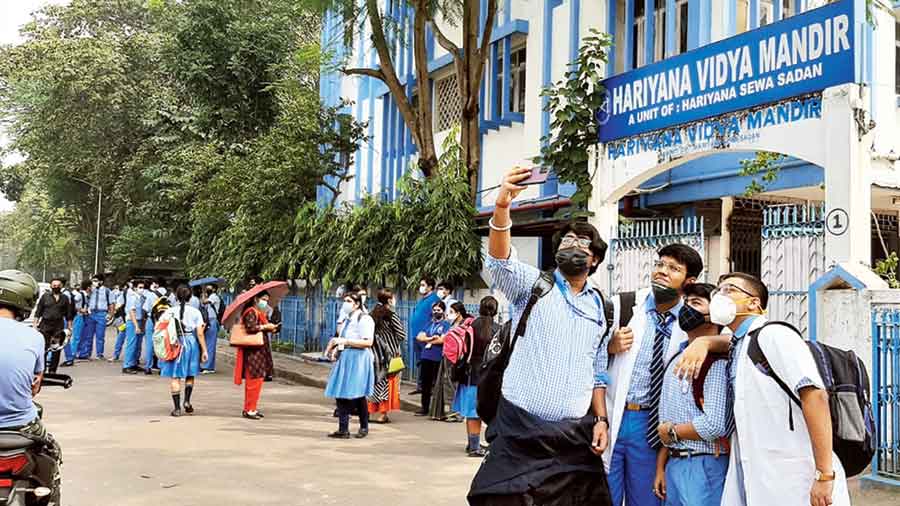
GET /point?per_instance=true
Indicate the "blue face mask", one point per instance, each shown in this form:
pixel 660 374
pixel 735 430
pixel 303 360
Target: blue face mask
pixel 263 305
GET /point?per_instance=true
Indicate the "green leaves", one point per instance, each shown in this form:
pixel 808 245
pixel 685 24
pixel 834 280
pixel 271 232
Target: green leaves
pixel 765 162
pixel 572 104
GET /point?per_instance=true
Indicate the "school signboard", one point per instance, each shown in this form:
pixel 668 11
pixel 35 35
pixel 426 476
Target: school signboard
pixel 796 56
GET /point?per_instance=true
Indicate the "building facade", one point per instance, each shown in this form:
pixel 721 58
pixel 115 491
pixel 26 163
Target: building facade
pixel 832 112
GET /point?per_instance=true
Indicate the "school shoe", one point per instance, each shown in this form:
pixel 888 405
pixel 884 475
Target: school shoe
pixel 250 416
pixel 476 453
pixel 421 413
pixel 67 363
pixel 415 392
pixel 188 408
pixel 129 370
pixel 339 435
pixel 148 372
pixel 453 418
pixel 176 413
pixel 112 359
pixel 362 433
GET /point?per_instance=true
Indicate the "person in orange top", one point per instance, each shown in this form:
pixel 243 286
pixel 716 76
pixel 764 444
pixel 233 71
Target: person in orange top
pixel 254 363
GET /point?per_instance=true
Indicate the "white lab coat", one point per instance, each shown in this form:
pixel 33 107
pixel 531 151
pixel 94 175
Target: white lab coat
pixel 622 366
pixel 778 465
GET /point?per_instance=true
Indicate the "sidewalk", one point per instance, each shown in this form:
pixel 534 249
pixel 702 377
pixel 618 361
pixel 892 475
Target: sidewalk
pixel 306 370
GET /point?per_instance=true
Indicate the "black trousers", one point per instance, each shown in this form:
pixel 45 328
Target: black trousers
pixel 49 330
pixel 346 407
pixel 428 372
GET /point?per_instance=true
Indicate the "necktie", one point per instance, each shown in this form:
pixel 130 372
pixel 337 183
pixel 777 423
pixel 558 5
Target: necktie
pixel 732 357
pixel 657 371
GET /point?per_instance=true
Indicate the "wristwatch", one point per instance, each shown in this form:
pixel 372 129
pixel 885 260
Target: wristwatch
pixel 673 434
pixel 598 419
pixel 820 476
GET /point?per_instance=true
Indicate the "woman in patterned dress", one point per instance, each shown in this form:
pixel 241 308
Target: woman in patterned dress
pixel 254 363
pixel 389 338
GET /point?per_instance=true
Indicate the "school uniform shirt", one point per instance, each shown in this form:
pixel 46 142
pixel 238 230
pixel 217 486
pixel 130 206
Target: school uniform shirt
pixel 677 405
pixel 79 301
pixel 134 302
pixel 213 306
pixel 191 320
pixel 194 302
pixel 629 372
pixel 150 298
pixel 100 299
pixel 435 352
pixel 770 463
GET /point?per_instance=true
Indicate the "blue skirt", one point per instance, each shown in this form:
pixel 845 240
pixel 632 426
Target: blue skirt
pixel 353 376
pixel 466 401
pixel 187 364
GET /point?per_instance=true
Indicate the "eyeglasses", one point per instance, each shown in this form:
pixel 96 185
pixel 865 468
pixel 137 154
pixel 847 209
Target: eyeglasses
pixel 668 266
pixel 728 289
pixel 573 240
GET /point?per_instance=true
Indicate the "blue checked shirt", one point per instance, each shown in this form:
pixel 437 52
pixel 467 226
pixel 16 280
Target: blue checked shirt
pixel 557 364
pixel 641 376
pixel 100 299
pixel 676 405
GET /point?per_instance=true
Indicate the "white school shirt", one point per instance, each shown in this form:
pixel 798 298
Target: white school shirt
pixel 359 326
pixel 192 319
pixel 777 464
pixel 621 368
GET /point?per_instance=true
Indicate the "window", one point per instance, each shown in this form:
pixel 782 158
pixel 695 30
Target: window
pixel 660 34
pixel 517 82
pixel 448 102
pixel 767 11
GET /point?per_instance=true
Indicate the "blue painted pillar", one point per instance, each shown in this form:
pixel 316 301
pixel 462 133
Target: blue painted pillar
pixel 693 38
pixel 507 77
pixel 777 11
pixel 629 35
pixel 671 15
pixel 649 31
pixel 611 30
pixel 574 29
pixel 731 19
pixel 496 107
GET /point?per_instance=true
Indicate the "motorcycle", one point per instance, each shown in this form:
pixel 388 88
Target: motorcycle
pixel 28 475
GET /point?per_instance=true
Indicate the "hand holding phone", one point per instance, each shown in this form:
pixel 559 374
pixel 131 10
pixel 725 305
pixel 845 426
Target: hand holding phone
pixel 538 175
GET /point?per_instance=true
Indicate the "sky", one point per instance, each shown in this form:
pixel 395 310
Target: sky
pixel 13 14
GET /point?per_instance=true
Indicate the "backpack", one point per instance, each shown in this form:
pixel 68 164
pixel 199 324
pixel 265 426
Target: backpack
pixel 847 384
pixel 167 332
pixel 120 311
pixel 498 352
pixel 458 341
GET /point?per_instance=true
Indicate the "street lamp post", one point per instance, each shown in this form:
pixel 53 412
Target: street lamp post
pixel 99 208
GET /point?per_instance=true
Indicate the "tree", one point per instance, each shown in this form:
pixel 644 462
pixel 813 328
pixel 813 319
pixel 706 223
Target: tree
pixel 469 62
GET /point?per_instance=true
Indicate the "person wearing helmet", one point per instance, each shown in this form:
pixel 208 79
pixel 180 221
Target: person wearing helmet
pixel 22 360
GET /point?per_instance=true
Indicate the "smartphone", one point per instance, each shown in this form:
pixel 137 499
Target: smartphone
pixel 538 175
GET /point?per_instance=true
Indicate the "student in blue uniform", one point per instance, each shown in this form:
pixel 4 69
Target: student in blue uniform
pixel 187 366
pixel 119 321
pixel 134 328
pixel 212 304
pixel 79 309
pixel 353 377
pixel 100 304
pixel 151 296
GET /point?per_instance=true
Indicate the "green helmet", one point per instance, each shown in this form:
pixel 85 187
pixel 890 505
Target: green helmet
pixel 18 290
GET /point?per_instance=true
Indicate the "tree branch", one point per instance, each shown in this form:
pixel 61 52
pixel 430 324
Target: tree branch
pixel 377 74
pixel 445 43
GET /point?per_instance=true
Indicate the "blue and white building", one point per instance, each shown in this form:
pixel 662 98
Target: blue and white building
pixel 811 80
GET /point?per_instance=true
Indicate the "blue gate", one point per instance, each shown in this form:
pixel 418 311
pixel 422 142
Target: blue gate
pixel 886 393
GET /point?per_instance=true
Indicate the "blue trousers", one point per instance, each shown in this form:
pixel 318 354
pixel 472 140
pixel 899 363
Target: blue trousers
pixel 94 331
pixel 72 347
pixel 149 357
pixel 633 465
pixel 696 481
pixel 132 345
pixel 120 342
pixel 210 334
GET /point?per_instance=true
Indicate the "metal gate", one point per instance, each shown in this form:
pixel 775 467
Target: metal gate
pixel 634 250
pixel 793 257
pixel 886 392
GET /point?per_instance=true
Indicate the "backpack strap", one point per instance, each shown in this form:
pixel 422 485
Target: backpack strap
pixel 541 287
pixel 626 307
pixel 754 351
pixel 700 381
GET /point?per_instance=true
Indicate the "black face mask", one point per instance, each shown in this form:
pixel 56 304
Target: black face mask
pixel 663 294
pixel 56 289
pixel 573 261
pixel 690 319
pixel 437 316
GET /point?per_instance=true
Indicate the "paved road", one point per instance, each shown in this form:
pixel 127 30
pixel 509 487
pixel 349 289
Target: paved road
pixel 121 448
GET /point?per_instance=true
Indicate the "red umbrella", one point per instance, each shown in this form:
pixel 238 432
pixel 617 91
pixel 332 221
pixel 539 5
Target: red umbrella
pixel 276 290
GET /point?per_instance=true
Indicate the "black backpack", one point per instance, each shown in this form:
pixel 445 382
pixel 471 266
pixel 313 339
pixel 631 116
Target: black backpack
pixel 498 352
pixel 847 384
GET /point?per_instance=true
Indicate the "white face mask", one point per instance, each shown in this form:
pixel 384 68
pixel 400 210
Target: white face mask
pixel 347 308
pixel 451 317
pixel 140 291
pixel 95 284
pixel 423 290
pixel 722 310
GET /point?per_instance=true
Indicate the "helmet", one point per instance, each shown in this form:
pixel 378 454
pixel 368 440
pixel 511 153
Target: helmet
pixel 18 290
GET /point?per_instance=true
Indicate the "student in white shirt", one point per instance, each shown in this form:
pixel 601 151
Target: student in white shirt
pixel 781 454
pixel 187 366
